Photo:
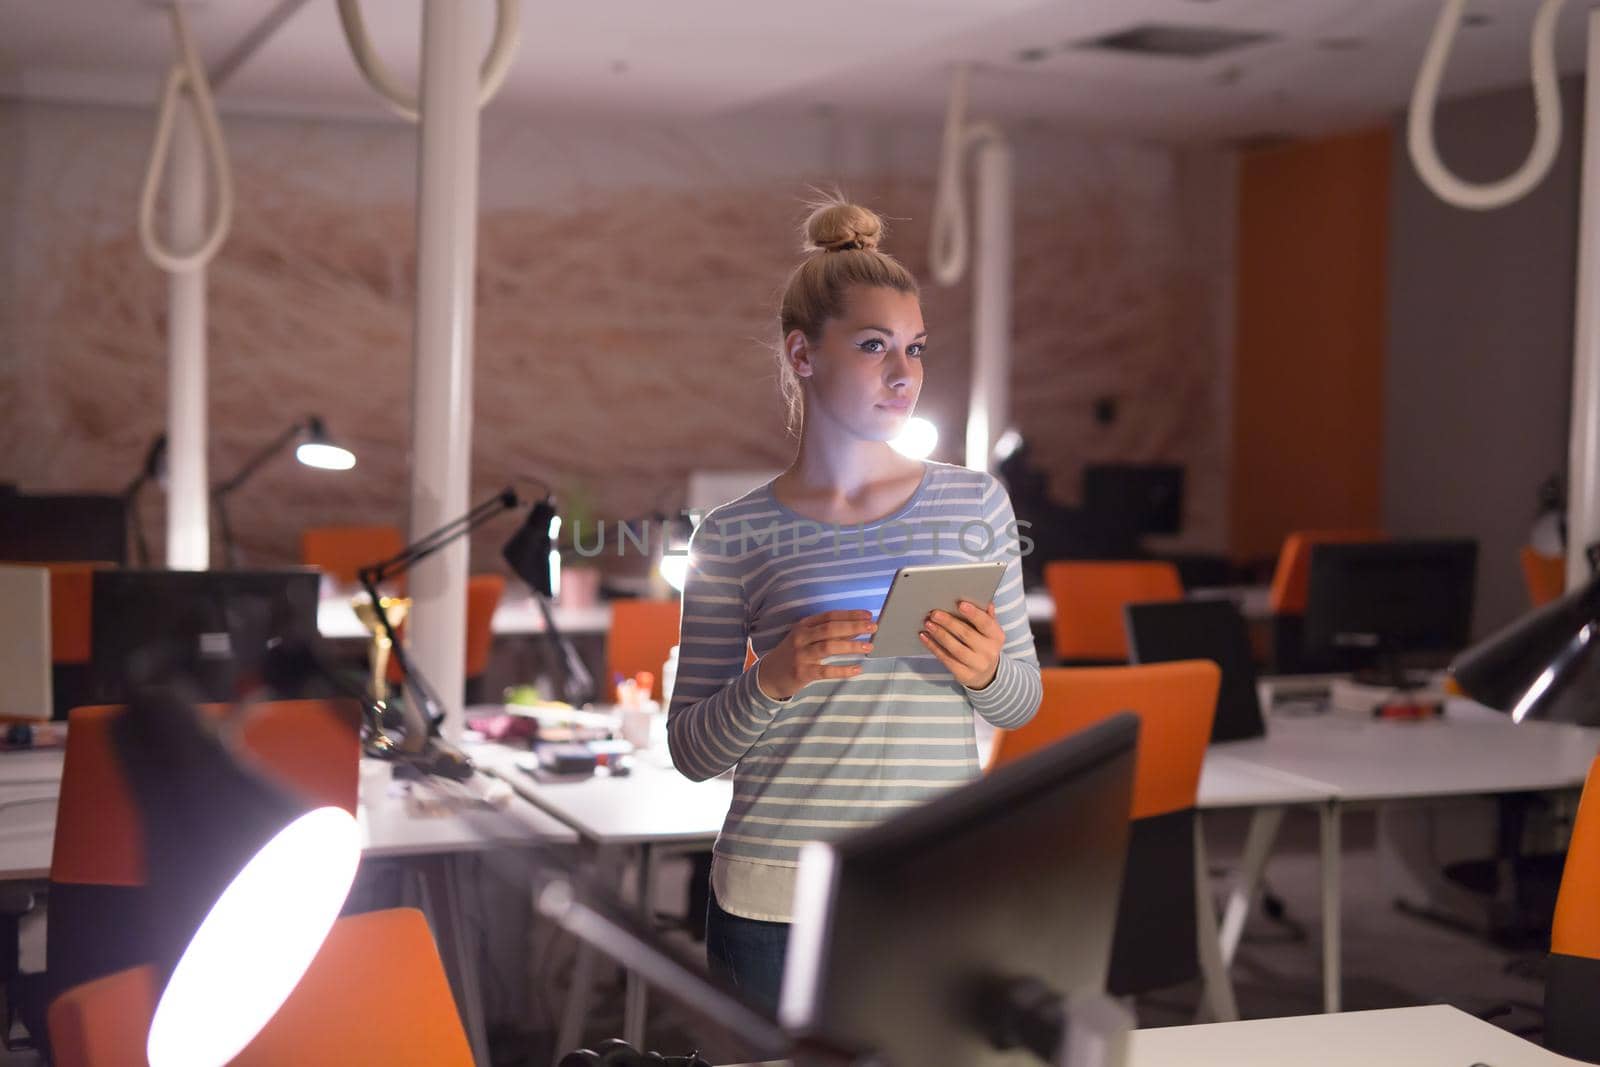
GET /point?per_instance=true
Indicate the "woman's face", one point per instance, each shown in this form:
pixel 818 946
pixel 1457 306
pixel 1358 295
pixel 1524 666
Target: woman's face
pixel 865 371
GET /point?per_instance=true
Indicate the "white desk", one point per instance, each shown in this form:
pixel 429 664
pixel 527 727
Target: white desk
pixel 29 785
pixel 336 619
pixel 1433 1036
pixel 30 782
pixel 656 807
pixel 1472 752
pixel 1254 601
pixel 651 810
pixel 431 844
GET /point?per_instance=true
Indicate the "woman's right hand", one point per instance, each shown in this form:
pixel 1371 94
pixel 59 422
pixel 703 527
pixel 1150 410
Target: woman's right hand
pixel 797 661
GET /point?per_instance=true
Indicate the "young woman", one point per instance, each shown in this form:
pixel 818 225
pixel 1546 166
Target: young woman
pixel 798 567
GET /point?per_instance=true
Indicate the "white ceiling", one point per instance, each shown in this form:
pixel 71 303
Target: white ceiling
pixel 886 58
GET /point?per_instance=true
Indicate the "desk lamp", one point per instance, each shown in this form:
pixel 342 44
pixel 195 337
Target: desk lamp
pixel 315 449
pixel 528 553
pixel 250 880
pixel 1545 665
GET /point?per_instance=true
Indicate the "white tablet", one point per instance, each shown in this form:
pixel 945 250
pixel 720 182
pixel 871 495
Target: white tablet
pixel 916 591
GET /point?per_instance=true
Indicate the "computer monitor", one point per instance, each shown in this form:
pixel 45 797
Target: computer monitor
pixel 1383 602
pixel 904 933
pixel 213 627
pixel 62 527
pixel 1149 496
pixel 25 692
pixel 1203 629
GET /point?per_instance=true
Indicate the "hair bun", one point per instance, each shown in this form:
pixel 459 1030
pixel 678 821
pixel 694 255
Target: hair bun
pixel 840 227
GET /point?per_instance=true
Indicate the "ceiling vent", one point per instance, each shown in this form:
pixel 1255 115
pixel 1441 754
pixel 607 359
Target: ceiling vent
pixel 1175 42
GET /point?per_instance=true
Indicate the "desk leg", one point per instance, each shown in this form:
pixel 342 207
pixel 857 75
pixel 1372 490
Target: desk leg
pixel 441 883
pixel 569 1036
pixel 634 1000
pixel 1218 986
pixel 1331 978
pixel 1264 823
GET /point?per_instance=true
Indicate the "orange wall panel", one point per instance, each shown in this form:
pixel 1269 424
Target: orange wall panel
pixel 1307 442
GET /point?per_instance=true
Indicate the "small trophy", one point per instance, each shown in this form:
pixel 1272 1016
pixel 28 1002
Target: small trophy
pixel 395 607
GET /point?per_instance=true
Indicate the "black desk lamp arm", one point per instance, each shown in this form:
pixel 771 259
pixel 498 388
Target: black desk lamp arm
pixel 412 554
pixel 255 462
pixel 409 557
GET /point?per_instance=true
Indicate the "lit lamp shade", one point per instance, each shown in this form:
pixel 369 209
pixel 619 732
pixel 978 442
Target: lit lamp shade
pixel 529 550
pixel 1543 666
pixel 245 880
pixel 318 449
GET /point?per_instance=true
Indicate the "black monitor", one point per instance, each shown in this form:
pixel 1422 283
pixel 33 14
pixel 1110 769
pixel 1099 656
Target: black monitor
pixel 62 527
pixel 1381 603
pixel 210 626
pixel 1147 496
pixel 906 934
pixel 1203 629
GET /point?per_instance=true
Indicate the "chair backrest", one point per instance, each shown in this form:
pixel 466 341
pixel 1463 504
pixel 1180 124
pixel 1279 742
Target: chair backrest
pixel 1572 973
pixel 1204 629
pixel 1156 944
pixel 1089 597
pixel 483 597
pixel 97 863
pixel 106 1022
pixel 340 551
pixel 1175 703
pixel 71 610
pixel 1291 581
pixel 1545 576
pixel 642 633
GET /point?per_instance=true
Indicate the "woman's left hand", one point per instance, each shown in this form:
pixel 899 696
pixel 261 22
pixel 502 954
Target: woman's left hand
pixel 969 644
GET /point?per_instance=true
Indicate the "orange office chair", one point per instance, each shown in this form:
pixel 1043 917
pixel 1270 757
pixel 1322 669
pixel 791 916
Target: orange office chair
pixel 642 633
pixel 1572 973
pixel 1291 584
pixel 71 630
pixel 1156 944
pixel 340 551
pixel 95 904
pixel 326 1022
pixel 1089 598
pixel 1545 576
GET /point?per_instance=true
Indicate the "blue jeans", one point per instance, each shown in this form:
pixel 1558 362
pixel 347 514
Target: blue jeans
pixel 748 953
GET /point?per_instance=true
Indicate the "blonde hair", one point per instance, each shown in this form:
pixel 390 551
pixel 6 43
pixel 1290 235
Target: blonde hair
pixel 841 244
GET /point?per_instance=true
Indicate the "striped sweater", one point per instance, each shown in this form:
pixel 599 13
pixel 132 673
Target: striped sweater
pixel 839 754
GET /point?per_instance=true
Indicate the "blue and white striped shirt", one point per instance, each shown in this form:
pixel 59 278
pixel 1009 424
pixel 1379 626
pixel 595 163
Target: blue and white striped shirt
pixel 846 753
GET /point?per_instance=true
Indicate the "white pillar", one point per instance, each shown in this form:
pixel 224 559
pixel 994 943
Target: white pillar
pixel 989 405
pixel 188 499
pixel 441 405
pixel 1583 461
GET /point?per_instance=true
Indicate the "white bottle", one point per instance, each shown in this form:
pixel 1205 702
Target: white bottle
pixel 669 675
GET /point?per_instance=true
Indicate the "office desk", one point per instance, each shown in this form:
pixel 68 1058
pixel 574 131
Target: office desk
pixel 336 619
pixel 655 809
pixel 429 846
pixel 1433 1036
pixel 650 811
pixel 1254 601
pixel 1472 752
pixel 29 785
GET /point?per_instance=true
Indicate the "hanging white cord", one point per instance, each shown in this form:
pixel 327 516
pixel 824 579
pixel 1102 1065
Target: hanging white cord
pixel 947 252
pixel 403 101
pixel 1546 106
pixel 186 73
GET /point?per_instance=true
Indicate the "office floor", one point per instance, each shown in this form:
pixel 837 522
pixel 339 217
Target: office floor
pixel 1390 959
